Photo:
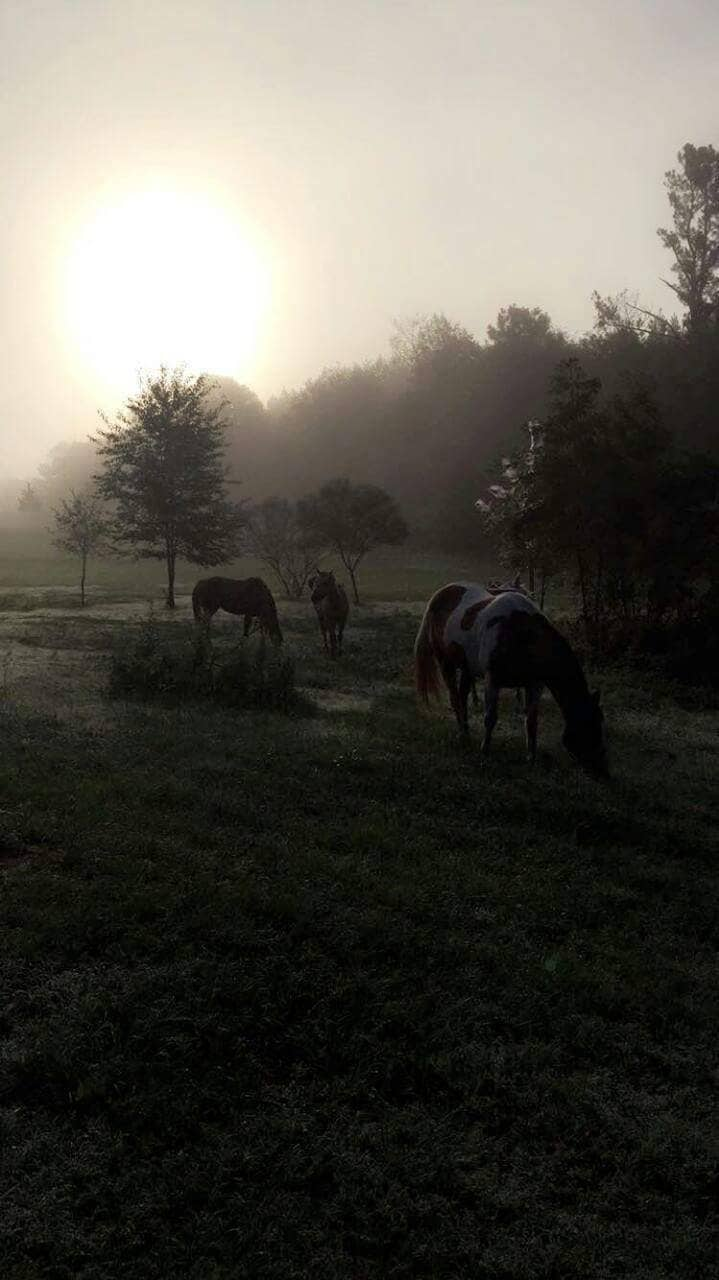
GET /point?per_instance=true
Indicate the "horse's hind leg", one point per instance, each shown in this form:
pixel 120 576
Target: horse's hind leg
pixel 491 703
pixel 449 675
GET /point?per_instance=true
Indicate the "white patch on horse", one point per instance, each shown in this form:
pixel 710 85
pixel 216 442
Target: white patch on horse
pixel 479 641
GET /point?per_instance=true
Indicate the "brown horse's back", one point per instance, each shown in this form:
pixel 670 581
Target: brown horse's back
pixel 249 596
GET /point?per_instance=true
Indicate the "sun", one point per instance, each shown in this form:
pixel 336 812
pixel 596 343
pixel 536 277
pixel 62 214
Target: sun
pixel 163 278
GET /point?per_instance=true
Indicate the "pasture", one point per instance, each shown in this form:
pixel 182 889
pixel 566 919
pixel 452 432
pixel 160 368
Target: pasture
pixel 325 995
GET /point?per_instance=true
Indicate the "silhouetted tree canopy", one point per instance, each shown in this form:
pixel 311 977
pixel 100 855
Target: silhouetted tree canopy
pixel 352 520
pixel 276 536
pixel 81 527
pixel 693 191
pixel 163 472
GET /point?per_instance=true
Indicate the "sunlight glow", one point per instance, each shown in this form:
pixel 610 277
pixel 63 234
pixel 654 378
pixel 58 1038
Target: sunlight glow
pixel 164 278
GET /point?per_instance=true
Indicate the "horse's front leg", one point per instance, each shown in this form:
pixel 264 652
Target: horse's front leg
pixel 533 693
pixel 248 624
pixel 491 704
pixel 323 629
pixel 449 674
pixel 466 682
pixel 333 642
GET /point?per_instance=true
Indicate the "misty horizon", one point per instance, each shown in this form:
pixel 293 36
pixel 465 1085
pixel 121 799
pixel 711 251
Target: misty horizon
pixel 373 163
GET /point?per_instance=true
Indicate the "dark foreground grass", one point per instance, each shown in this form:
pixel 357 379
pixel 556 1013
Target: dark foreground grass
pixel 330 999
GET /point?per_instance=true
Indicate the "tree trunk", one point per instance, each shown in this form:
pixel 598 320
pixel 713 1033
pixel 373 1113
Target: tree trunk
pixel 531 579
pixel 355 592
pixel 170 579
pixel 583 590
pixel 82 579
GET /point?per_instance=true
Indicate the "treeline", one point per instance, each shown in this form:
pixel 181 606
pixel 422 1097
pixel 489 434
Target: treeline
pixel 431 422
pixel 428 424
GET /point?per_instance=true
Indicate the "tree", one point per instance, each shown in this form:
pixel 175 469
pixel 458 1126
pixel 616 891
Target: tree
pixel 69 466
pixel 277 538
pixel 522 324
pixel 586 497
pixel 81 528
pixel 506 505
pixel 693 192
pixel 163 472
pixel 28 499
pixel 352 520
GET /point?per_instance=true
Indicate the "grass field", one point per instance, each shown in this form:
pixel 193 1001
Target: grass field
pixel 27 561
pixel 324 996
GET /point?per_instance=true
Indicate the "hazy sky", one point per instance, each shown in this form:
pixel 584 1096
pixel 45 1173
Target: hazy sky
pixel 380 158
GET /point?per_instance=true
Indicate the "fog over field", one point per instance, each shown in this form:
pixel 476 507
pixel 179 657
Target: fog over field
pixel 293 175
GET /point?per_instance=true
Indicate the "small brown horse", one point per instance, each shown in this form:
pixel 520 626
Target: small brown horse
pixel 469 632
pixel 250 596
pixel 332 607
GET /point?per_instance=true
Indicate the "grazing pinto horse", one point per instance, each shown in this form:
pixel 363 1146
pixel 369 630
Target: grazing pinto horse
pixel 250 596
pixel 508 641
pixel 331 607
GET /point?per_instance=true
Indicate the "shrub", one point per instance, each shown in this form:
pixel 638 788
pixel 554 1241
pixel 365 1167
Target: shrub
pixel 176 663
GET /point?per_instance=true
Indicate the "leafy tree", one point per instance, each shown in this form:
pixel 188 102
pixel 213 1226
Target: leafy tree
pixel 248 439
pixel 69 466
pixel 693 191
pixel 432 345
pixel 277 538
pixel 81 528
pixel 335 422
pixel 352 520
pixel 505 507
pixel 28 499
pixel 583 497
pixel 521 324
pixel 163 472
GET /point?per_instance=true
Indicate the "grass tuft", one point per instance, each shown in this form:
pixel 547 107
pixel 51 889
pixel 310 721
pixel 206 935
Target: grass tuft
pixel 173 664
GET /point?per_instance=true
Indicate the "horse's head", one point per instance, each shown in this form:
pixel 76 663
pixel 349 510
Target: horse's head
pixel 320 584
pixel 584 736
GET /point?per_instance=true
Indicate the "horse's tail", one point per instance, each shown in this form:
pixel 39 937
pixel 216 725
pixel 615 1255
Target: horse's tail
pixel 273 622
pixel 425 663
pixel 196 601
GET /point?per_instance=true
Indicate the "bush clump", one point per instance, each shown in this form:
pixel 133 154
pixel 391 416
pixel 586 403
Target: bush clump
pixel 177 663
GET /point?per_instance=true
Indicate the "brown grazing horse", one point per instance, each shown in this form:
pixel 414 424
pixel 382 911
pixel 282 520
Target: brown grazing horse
pixel 250 596
pixel 504 638
pixel 331 607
